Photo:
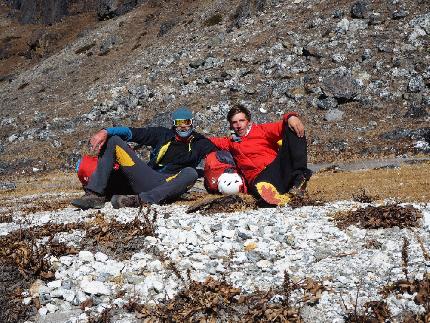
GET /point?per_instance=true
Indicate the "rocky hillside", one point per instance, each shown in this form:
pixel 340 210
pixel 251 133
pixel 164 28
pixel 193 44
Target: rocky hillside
pixel 357 72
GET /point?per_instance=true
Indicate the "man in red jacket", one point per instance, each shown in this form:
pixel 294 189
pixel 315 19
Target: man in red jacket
pixel 272 157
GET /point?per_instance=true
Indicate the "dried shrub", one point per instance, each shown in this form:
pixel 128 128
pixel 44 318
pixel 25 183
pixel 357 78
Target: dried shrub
pixel 405 257
pixel 363 197
pixel 373 312
pixel 22 260
pixel 421 289
pixel 103 235
pixel 217 301
pixel 225 203
pixel 375 217
pixel 46 205
pixel 5 218
pixel 12 283
pixel 27 255
pixel 297 202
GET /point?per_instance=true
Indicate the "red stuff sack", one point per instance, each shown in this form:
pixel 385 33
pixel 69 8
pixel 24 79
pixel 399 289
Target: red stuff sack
pixel 216 164
pixel 86 167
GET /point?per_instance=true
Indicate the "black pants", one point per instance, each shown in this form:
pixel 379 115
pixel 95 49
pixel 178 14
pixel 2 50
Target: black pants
pixel 289 164
pixel 152 186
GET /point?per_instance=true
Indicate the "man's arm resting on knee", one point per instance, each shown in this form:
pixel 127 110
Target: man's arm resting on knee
pixel 294 123
pixel 98 140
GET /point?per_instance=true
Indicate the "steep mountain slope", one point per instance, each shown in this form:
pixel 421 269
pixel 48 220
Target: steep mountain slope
pixel 357 72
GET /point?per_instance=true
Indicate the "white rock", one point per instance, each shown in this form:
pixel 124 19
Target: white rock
pixel 220 268
pixel 86 255
pixel 81 296
pixel 26 300
pixel 65 307
pixel 69 295
pixel 253 228
pixel 111 267
pixel 426 220
pixel 83 270
pixel 66 260
pixel 228 233
pixel 119 302
pixel 264 263
pixel 198 265
pixel 152 284
pixel 95 287
pixel 100 256
pixel 155 265
pixel 58 292
pixel 12 138
pixel 51 307
pixel 54 284
pixel 150 240
pixel 43 311
pixel 192 238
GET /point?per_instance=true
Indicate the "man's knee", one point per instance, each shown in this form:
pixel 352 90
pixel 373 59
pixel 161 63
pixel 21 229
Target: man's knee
pixel 114 141
pixel 190 173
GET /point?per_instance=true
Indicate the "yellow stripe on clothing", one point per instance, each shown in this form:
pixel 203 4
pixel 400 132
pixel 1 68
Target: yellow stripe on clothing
pixel 162 152
pixel 123 158
pixel 168 179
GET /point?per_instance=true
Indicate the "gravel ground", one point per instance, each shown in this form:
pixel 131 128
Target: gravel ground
pixel 251 250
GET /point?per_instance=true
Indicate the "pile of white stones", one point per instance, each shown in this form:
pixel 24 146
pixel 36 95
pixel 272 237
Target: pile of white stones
pixel 250 249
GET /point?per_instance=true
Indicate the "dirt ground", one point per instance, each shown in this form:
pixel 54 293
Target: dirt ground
pixel 408 183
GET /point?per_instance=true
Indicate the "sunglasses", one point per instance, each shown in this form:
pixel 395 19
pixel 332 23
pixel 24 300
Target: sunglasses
pixel 182 122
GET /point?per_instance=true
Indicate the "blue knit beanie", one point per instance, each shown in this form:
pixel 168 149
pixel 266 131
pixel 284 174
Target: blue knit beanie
pixel 183 113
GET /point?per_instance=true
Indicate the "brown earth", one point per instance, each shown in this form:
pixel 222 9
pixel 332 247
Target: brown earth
pixel 408 183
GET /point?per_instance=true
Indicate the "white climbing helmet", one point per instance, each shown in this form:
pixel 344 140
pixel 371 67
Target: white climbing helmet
pixel 229 183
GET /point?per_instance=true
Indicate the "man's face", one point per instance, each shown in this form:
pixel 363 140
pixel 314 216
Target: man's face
pixel 239 124
pixel 183 127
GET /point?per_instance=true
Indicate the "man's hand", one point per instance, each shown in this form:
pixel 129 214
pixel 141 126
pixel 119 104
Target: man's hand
pixel 296 125
pixel 98 140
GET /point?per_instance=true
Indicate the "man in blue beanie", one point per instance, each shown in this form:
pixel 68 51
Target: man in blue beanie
pixel 170 172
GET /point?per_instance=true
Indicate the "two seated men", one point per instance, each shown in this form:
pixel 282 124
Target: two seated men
pixel 271 157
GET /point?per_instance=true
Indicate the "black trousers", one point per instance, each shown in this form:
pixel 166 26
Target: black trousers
pixel 289 164
pixel 152 186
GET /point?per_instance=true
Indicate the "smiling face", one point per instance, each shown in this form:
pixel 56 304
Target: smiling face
pixel 239 123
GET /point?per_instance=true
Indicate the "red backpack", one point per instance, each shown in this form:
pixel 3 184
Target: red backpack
pixel 86 167
pixel 217 163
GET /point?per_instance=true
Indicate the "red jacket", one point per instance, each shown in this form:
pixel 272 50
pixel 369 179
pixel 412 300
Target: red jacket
pixel 257 149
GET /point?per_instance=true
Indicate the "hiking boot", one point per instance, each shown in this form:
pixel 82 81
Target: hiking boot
pixel 89 200
pixel 299 186
pixel 119 201
pixel 270 194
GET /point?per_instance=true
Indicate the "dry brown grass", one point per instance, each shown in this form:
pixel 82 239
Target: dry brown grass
pixel 53 182
pixel 409 183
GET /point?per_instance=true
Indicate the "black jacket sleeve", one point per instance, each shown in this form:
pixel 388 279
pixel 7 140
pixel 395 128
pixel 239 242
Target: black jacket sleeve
pixel 150 136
